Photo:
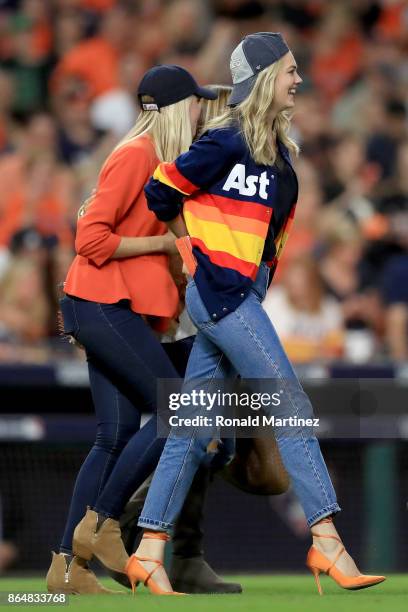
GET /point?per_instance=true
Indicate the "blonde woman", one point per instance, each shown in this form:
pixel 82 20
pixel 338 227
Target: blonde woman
pixel 257 465
pixel 237 189
pixel 119 278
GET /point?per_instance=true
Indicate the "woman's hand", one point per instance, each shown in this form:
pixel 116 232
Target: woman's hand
pixel 169 243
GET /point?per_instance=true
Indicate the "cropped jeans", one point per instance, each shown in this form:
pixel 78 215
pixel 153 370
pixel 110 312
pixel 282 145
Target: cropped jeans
pixel 244 342
pixel 124 361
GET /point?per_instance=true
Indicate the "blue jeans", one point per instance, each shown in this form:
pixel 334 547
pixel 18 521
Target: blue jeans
pixel 124 361
pixel 244 342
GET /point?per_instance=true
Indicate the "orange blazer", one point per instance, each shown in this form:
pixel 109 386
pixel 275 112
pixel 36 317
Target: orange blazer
pixel 119 209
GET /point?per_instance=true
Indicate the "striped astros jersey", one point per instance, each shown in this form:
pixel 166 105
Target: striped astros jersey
pixel 227 201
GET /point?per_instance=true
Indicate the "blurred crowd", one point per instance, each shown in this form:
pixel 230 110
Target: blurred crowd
pixel 69 70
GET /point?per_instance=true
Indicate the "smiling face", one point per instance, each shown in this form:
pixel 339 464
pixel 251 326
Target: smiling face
pixel 286 84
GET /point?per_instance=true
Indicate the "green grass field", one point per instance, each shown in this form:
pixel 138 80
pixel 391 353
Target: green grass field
pixel 261 593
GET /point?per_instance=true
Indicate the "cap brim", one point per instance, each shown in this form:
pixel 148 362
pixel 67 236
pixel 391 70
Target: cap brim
pixel 208 94
pixel 240 91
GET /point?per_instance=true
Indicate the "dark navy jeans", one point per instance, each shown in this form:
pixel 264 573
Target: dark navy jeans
pixel 124 361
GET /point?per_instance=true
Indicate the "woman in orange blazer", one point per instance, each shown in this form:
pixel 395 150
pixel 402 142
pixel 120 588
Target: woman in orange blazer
pixel 118 287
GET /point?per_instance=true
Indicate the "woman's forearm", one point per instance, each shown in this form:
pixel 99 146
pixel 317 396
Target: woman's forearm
pixel 142 245
pixel 177 226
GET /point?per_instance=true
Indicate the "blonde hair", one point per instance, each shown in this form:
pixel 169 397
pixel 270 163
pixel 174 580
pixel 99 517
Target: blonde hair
pixel 169 128
pixel 253 117
pixel 213 108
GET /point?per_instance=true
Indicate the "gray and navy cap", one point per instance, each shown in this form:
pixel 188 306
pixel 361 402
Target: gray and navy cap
pixel 253 54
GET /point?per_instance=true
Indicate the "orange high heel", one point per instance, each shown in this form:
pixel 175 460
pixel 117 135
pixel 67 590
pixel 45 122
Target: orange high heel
pixel 137 573
pixel 317 563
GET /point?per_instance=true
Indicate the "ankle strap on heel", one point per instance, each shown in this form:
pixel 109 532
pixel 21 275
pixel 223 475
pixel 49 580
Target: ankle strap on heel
pixel 330 537
pixel 156 535
pixel 323 535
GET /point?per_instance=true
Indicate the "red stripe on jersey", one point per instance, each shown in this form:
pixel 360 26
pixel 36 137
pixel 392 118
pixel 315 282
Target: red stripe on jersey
pixel 251 210
pixel 224 260
pixel 178 179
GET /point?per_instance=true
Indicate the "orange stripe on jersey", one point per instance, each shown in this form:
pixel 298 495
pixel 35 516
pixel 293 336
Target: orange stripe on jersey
pixel 241 224
pixel 175 178
pixel 250 210
pixel 161 175
pixel 224 260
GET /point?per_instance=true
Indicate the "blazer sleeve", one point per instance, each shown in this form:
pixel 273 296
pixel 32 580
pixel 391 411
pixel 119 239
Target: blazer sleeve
pixel 121 181
pixel 201 166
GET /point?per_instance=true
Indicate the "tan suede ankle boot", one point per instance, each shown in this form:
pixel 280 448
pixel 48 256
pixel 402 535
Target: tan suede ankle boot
pixel 101 537
pixel 72 575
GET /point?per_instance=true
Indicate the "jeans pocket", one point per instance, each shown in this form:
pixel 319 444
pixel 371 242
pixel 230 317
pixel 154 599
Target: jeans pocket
pixel 69 320
pixel 261 284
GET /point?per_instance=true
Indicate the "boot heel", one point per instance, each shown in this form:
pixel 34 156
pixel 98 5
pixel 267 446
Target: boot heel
pixel 316 573
pixel 72 576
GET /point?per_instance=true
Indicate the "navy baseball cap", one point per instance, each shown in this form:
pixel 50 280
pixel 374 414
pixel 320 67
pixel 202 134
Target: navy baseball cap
pixel 253 54
pixel 168 84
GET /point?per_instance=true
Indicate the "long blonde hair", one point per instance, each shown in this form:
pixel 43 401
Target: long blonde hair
pixel 213 108
pixel 169 128
pixel 253 117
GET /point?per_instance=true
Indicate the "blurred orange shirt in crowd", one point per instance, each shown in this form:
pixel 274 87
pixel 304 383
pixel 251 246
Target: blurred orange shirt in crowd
pixel 11 173
pixel 391 23
pixel 332 71
pixel 50 218
pixel 48 213
pixel 94 61
pixel 119 209
pixel 98 5
pixel 42 40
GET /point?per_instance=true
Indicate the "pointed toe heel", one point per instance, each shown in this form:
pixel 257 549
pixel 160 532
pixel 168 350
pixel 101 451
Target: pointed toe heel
pixel 137 573
pixel 318 563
